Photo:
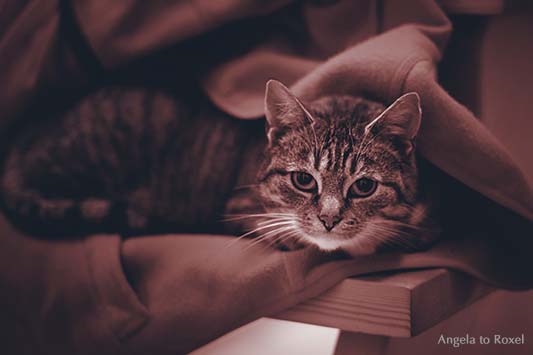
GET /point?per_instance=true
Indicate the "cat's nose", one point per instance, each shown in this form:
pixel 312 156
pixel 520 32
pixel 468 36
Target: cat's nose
pixel 329 220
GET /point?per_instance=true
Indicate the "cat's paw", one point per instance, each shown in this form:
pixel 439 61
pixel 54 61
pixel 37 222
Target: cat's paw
pixel 95 209
pixel 136 220
pixel 54 209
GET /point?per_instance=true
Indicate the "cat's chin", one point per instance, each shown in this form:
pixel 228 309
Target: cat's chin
pixel 324 243
pixel 352 246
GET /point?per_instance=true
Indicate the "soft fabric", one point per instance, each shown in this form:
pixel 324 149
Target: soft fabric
pixel 398 61
pixel 170 294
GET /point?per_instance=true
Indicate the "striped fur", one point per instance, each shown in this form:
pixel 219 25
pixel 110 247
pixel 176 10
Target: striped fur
pixel 139 160
pixel 333 140
pixel 125 159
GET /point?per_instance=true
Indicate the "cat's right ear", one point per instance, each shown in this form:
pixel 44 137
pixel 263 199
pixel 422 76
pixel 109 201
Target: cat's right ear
pixel 401 119
pixel 282 109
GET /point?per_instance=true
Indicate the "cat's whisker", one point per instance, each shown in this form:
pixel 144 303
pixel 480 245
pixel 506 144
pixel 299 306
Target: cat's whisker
pixel 392 236
pixel 396 231
pixel 406 225
pixel 284 237
pixel 238 217
pixel 290 234
pixel 274 220
pixel 385 235
pixel 274 232
pixel 399 242
pixel 279 220
pixel 242 236
pixel 265 236
pixel 282 231
pixel 263 227
pixel 384 239
pixel 386 232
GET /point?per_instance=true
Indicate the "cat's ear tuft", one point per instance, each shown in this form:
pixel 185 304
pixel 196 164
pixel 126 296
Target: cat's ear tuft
pixel 282 108
pixel 402 119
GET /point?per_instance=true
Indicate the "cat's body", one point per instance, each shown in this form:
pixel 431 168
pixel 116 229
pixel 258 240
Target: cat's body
pixel 130 160
pixel 137 160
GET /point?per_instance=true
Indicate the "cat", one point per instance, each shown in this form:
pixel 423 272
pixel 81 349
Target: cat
pixel 337 173
pixel 341 173
pixel 125 159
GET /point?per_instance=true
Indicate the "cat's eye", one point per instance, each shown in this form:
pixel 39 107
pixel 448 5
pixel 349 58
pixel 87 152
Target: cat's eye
pixel 362 187
pixel 303 181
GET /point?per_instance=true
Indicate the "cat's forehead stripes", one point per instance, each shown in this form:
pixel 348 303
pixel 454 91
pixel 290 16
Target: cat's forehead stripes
pixel 336 150
pixel 347 151
pixel 342 147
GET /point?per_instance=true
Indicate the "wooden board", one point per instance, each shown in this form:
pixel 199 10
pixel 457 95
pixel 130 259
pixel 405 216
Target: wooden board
pixel 391 304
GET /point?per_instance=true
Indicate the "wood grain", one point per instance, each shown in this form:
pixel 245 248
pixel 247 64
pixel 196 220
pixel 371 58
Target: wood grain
pixel 391 304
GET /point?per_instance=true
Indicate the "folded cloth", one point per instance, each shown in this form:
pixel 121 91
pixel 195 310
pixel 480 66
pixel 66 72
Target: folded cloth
pixel 169 294
pixel 400 60
pixel 172 293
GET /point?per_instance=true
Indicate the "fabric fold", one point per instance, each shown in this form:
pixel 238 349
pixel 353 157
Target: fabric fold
pixel 170 294
pixel 50 286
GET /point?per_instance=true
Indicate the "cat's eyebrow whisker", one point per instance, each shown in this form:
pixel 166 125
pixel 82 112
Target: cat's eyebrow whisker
pixel 361 147
pixel 368 144
pixel 311 120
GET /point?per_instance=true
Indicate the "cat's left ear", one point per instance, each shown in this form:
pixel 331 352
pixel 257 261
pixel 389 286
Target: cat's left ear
pixel 282 109
pixel 402 119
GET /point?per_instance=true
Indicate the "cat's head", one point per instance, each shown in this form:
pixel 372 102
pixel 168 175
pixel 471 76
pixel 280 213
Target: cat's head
pixel 340 172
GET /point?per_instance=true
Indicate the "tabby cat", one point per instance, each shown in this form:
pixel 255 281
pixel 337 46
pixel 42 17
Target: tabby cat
pixel 337 173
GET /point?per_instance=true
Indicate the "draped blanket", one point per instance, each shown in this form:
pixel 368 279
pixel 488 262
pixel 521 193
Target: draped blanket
pixel 169 294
